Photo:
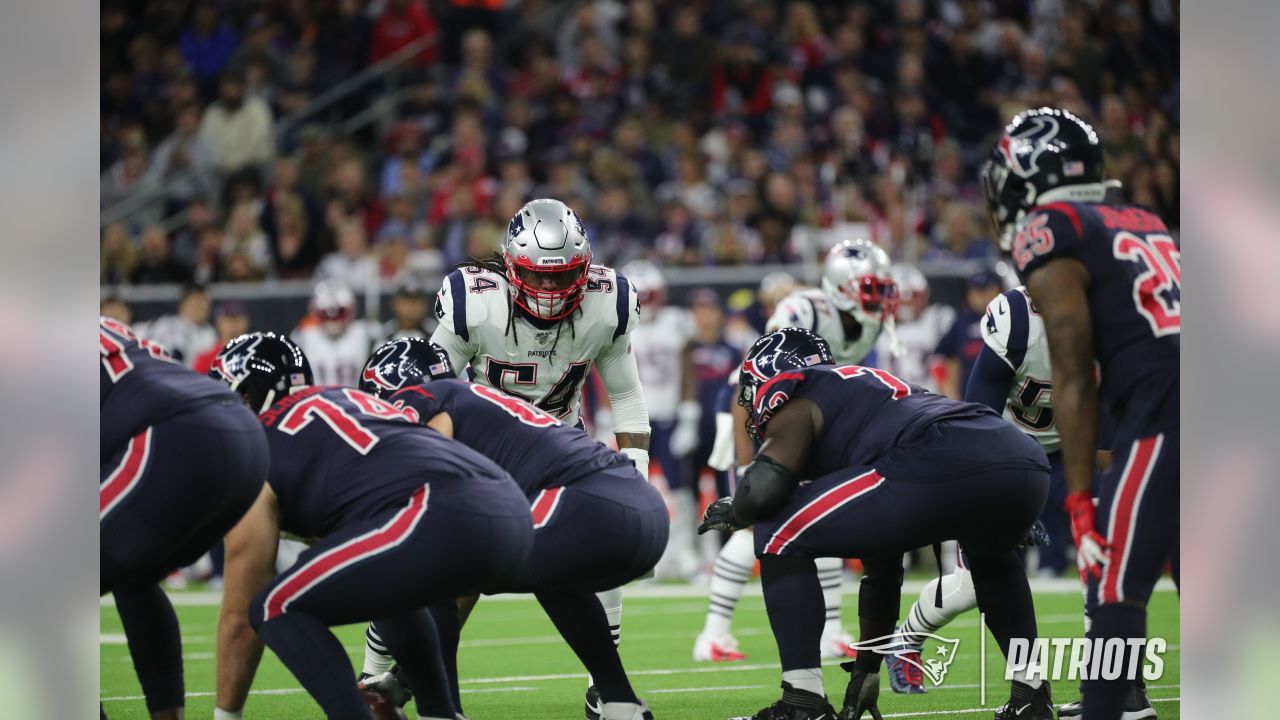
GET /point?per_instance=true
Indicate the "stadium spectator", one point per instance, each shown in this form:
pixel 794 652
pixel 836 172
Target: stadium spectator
pixel 207 44
pixel 238 129
pixel 117 256
pixel 182 165
pixel 351 264
pixel 208 265
pixel 294 248
pixel 245 238
pixel 409 316
pixel 156 263
pixel 402 23
pixel 960 346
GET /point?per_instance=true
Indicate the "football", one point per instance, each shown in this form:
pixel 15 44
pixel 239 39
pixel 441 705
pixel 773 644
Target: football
pixel 380 708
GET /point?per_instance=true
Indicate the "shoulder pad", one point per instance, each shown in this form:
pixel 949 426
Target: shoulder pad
pixel 463 299
pixel 610 300
pixel 1006 327
pixel 1047 231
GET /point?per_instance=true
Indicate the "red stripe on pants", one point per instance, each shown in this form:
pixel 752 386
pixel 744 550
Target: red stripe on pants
pixel 394 532
pixel 126 476
pixel 1124 514
pixel 544 505
pixel 819 508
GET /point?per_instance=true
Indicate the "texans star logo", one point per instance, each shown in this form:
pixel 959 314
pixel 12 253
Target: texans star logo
pixel 1024 149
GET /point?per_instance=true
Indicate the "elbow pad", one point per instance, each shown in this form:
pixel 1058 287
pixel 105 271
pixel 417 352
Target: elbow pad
pixel 765 486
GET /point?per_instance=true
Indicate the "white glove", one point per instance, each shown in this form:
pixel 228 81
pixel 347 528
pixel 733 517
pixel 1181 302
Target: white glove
pixel 640 458
pixel 220 714
pixel 685 438
pixel 722 454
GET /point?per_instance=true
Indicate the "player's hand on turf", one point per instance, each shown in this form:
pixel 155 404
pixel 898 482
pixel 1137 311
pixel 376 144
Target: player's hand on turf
pixel 719 516
pixel 1092 549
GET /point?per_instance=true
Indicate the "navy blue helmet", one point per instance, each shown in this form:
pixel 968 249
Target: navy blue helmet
pixel 775 353
pixel 402 363
pixel 263 367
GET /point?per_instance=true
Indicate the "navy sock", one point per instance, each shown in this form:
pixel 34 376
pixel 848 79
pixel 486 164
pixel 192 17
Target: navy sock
pixel 1000 585
pixel 318 660
pixel 411 638
pixel 1104 699
pixel 155 645
pixel 582 623
pixel 797 612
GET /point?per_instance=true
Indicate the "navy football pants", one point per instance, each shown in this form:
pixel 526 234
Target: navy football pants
pixel 164 499
pixel 976 480
pixel 389 569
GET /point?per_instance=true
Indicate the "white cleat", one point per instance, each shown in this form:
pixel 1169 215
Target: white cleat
pixel 709 648
pixel 838 645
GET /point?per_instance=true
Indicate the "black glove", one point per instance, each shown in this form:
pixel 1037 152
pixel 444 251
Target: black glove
pixel 1037 535
pixel 862 693
pixel 719 516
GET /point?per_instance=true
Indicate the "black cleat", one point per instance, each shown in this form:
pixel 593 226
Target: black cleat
pixel 1026 703
pixel 1136 706
pixel 594 706
pixel 796 705
pixel 861 695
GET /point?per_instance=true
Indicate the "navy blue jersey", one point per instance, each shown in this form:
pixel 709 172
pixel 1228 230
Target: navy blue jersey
pixel 532 445
pixel 962 342
pixel 140 385
pixel 340 456
pixel 1134 294
pixel 865 412
pixel 713 364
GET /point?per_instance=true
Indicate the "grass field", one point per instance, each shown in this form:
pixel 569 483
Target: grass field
pixel 513 665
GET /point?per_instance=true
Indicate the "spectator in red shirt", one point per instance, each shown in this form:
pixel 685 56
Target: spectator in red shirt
pixel 401 23
pixel 231 319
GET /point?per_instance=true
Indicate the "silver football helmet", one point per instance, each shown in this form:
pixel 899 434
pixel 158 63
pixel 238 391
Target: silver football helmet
pixel 913 291
pixel 649 285
pixel 547 254
pixel 334 305
pixel 856 277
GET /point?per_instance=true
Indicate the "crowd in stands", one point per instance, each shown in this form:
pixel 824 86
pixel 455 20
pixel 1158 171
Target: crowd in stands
pixel 691 132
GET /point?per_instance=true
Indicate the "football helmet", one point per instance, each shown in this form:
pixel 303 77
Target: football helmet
pixel 334 305
pixel 647 281
pixel 1045 155
pixel 770 356
pixel 547 255
pixel 913 291
pixel 855 276
pixel 262 367
pixel 401 363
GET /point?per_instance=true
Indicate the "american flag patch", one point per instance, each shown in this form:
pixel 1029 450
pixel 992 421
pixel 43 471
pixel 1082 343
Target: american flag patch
pixel 1072 168
pixel 437 369
pixel 813 360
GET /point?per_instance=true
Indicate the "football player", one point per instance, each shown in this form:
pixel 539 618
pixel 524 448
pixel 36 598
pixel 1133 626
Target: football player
pixel 918 325
pixel 534 321
pixel 855 462
pixel 335 341
pixel 1106 280
pixel 659 340
pixel 182 460
pixel 857 300
pixel 597 523
pixel 378 493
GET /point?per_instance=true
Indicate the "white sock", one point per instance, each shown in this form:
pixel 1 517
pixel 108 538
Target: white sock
pixel 831 576
pixel 377 659
pixel 620 711
pixel 612 602
pixel 729 577
pixel 923 617
pixel 809 679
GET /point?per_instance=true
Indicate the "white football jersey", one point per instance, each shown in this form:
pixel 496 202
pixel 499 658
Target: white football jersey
pixel 658 344
pixel 919 339
pixel 545 366
pixel 336 361
pixel 1014 330
pixel 811 310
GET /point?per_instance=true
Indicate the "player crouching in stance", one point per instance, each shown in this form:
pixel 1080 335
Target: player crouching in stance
pixel 534 321
pixel 893 467
pixel 402 518
pixel 597 523
pixel 182 460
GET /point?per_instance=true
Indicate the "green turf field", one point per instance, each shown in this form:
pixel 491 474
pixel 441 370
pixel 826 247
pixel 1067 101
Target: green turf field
pixel 513 665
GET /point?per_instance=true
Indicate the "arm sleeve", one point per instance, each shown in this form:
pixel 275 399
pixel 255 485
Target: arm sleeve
pixel 621 378
pixel 989 382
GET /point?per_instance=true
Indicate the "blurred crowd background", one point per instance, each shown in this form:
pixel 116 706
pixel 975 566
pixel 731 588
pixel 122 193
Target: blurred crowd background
pixel 258 140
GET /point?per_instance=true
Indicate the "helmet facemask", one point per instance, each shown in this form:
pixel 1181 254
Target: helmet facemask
pixel 548 292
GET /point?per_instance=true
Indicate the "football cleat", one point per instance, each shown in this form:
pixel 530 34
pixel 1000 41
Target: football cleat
pixel 784 709
pixel 594 706
pixel 838 646
pixel 1136 707
pixel 708 648
pixel 861 695
pixel 1026 703
pixel 904 677
pixel 388 684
